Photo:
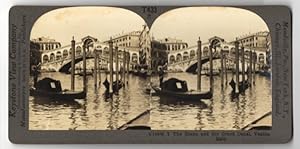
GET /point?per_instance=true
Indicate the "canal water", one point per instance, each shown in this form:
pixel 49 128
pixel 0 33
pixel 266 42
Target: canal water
pixel 98 113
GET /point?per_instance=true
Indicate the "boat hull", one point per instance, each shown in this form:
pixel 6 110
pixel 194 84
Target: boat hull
pixel 190 95
pixel 63 95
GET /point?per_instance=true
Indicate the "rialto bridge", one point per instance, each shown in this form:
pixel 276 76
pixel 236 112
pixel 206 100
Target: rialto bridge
pixel 59 59
pixel 186 59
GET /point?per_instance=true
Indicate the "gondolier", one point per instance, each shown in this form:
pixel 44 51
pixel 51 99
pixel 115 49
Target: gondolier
pixel 160 75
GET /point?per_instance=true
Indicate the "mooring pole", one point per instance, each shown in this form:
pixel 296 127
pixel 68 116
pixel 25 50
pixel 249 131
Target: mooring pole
pixel 199 65
pixel 95 68
pixel 254 65
pixel 128 61
pixel 99 67
pixel 237 65
pixel 222 69
pixel 73 65
pixel 250 67
pixel 124 66
pixel 84 69
pixel 110 65
pixel 226 67
pixel 117 67
pixel 243 69
pixel 211 68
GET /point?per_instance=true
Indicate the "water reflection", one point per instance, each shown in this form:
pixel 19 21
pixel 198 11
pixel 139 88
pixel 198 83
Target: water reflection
pixel 98 112
pixel 220 113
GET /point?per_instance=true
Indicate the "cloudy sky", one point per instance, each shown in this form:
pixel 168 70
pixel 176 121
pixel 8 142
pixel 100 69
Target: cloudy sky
pixel 99 22
pixel 192 22
pixel 183 23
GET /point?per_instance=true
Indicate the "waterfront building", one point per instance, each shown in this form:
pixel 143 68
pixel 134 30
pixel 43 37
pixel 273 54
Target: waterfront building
pixel 159 54
pixel 174 44
pixel 46 43
pixel 130 41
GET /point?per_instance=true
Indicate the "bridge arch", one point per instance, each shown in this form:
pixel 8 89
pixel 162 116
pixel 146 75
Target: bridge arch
pixel 52 57
pixel 185 55
pixel 178 57
pixel 192 54
pixel 205 51
pixel 65 53
pixel 58 55
pixel 78 50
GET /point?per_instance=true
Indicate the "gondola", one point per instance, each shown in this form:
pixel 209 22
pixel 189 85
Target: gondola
pixel 177 89
pixel 50 88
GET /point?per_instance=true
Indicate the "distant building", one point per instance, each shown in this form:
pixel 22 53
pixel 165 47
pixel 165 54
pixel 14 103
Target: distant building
pixel 46 43
pixel 159 54
pixel 130 41
pixel 145 46
pixel 257 41
pixel 173 44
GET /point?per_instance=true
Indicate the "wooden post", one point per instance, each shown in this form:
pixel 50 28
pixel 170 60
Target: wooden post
pixel 73 65
pixel 117 67
pixel 199 65
pixel 222 69
pixel 84 68
pixel 95 68
pixel 211 69
pixel 124 66
pixel 254 69
pixel 237 65
pixel 243 69
pixel 110 65
pixel 99 67
pixel 250 67
pixel 128 61
pixel 226 67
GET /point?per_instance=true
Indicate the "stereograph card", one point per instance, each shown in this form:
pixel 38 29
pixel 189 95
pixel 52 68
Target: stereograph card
pixel 150 74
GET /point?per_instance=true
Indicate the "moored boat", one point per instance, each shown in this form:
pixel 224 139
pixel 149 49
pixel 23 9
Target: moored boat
pixel 177 89
pixel 50 88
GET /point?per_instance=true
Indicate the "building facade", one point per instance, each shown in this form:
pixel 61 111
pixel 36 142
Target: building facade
pixel 46 43
pixel 257 41
pixel 159 54
pixel 173 44
pixel 129 41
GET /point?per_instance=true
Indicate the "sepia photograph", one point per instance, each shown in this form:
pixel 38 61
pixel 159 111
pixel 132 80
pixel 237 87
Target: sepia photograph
pixel 193 68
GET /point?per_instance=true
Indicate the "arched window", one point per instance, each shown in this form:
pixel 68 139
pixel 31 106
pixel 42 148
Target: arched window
pixel 65 53
pixel 178 57
pixel 205 51
pixel 58 55
pixel 52 57
pixel 261 58
pixel 185 55
pixel 134 58
pixel 78 51
pixel 45 58
pixel 172 59
pixel 192 54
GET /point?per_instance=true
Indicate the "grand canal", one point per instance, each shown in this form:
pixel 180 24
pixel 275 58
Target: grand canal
pixel 98 113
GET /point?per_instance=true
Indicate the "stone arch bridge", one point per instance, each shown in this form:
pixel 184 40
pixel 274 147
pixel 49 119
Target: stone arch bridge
pixel 59 59
pixel 186 59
